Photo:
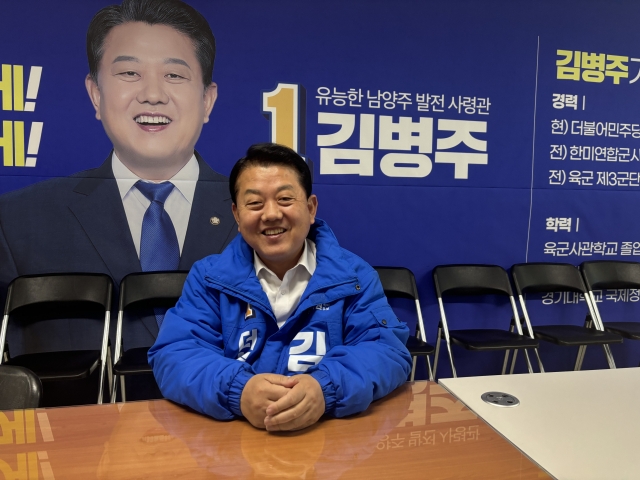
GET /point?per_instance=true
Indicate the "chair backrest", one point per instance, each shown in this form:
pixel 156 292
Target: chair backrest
pixel 59 288
pixel 157 289
pixel 398 282
pixel 606 274
pixel 450 280
pixel 20 388
pixel 547 277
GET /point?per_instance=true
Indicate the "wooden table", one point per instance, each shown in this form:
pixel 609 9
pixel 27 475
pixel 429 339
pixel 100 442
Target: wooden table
pixel 577 425
pixel 419 431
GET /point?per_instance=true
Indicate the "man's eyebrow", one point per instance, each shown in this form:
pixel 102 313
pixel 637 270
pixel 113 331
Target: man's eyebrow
pixel 253 191
pixel 126 58
pixel 177 61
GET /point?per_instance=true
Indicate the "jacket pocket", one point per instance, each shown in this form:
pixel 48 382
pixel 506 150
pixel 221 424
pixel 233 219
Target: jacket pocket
pixel 386 318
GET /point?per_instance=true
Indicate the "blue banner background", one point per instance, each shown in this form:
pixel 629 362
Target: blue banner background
pixel 505 51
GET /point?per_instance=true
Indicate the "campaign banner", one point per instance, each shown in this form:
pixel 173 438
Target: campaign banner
pixel 438 132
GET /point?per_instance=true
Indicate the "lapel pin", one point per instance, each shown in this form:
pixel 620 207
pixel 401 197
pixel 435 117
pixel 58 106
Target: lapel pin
pixel 214 221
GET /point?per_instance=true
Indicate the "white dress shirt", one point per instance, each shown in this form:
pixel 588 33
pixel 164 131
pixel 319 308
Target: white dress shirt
pixel 177 205
pixel 284 295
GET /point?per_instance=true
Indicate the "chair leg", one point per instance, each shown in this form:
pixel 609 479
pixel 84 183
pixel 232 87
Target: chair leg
pixel 105 364
pixel 580 357
pixel 513 362
pixel 453 367
pixel 526 357
pixel 505 362
pixel 508 352
pixel 414 360
pixel 539 360
pixel 123 391
pixel 114 388
pixel 109 370
pixel 609 355
pixel 431 377
pixel 437 353
pixel 588 323
pixel 101 386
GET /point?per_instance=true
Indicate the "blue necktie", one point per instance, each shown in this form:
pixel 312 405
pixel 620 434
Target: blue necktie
pixel 159 248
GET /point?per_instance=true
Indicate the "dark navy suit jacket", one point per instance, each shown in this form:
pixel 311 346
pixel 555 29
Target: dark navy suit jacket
pixel 78 224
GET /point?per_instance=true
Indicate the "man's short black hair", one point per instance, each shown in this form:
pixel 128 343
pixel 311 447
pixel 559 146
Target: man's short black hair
pixel 268 155
pixel 173 13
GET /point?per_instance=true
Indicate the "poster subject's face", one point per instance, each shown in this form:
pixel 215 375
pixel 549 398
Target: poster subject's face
pixel 150 97
pixel 274 214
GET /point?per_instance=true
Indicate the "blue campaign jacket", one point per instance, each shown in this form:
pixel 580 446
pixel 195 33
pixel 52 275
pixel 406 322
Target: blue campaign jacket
pixel 222 331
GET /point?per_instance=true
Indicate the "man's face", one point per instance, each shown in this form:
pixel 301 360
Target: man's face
pixel 150 97
pixel 274 214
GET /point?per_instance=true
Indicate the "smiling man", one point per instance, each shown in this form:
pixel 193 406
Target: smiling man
pixel 284 325
pixel 154 204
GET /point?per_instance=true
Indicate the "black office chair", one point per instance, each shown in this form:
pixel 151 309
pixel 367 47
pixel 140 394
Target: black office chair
pixel 561 277
pixel 20 388
pixel 605 274
pixel 141 291
pixel 61 292
pixel 399 282
pixel 477 280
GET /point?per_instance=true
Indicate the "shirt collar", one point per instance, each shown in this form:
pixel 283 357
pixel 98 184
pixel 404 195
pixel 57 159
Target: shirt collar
pixel 185 180
pixel 306 260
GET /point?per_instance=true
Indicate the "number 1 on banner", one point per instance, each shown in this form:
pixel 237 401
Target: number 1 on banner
pixel 284 105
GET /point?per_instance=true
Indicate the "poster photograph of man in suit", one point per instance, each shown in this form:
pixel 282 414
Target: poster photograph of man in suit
pixel 154 204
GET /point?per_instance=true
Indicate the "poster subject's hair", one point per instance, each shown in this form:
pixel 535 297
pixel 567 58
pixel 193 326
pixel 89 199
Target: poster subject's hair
pixel 173 13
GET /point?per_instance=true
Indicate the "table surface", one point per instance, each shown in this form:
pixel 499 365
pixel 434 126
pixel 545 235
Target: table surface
pixel 576 425
pixel 419 430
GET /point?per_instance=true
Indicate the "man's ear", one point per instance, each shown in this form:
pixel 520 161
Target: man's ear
pixel 234 209
pixel 210 96
pixel 94 94
pixel 312 205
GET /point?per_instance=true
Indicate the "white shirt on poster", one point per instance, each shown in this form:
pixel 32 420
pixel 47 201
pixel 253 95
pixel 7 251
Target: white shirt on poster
pixel 177 205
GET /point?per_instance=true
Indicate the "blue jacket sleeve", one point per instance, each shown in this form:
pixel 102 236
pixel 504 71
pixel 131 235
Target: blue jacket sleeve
pixel 373 360
pixel 188 357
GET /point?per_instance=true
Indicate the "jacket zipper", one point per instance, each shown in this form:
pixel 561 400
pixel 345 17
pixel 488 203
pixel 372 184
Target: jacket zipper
pixel 241 294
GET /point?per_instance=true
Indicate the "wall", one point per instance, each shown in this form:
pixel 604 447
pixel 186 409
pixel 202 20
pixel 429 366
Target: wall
pixel 439 131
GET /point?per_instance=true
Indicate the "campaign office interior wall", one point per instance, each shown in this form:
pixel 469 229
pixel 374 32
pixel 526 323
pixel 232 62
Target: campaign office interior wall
pixel 438 131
